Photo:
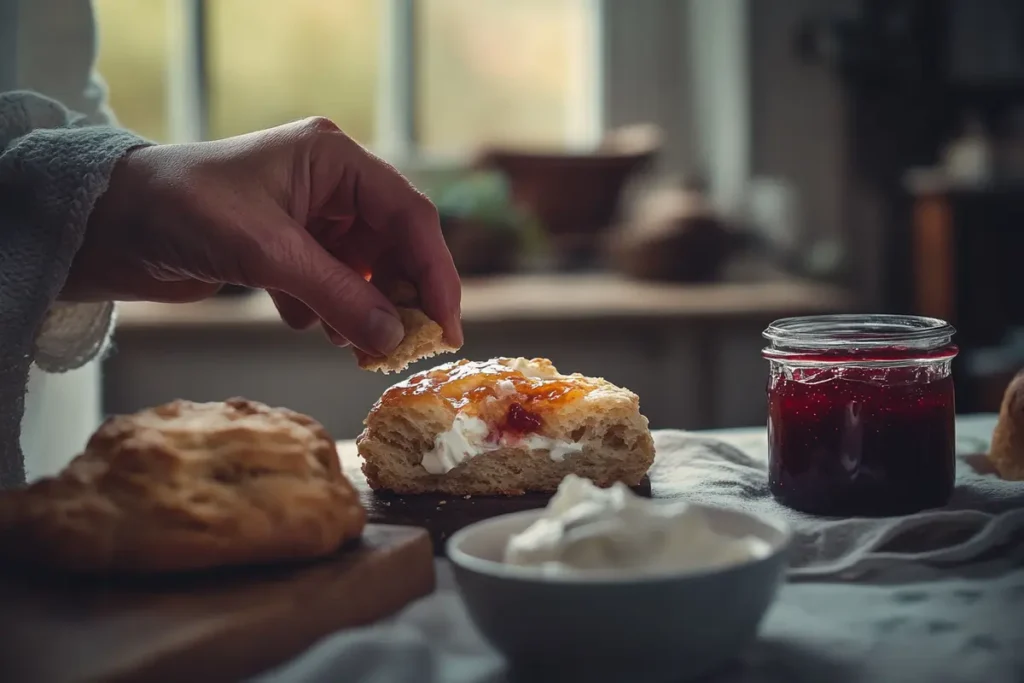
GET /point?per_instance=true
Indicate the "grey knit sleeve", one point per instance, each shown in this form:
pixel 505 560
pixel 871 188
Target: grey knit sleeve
pixel 52 171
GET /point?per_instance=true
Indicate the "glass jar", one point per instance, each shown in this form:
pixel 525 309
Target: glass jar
pixel 861 414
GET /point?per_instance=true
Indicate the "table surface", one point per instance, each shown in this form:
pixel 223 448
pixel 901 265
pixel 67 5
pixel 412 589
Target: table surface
pixel 958 626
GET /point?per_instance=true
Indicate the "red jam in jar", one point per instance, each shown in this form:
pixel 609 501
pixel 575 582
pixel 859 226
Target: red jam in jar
pixel 861 414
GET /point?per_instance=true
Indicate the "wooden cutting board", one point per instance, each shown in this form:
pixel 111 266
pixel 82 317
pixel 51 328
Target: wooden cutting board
pixel 441 515
pixel 205 628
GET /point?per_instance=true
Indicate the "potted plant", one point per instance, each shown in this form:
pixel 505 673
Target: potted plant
pixel 486 232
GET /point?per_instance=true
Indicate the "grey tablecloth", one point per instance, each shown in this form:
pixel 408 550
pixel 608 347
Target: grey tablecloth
pixel 932 598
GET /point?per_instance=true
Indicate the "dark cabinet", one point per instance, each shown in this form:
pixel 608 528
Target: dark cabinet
pixel 968 268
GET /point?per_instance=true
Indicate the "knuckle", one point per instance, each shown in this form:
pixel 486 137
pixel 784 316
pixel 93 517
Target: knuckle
pixel 320 123
pixel 316 125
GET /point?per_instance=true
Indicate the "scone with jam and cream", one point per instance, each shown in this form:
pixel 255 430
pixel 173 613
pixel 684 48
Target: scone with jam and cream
pixel 503 427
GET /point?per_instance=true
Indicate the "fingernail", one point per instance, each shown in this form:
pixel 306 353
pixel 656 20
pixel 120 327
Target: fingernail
pixel 385 330
pixel 337 339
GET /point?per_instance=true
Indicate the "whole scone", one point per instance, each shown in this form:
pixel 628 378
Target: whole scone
pixel 187 486
pixel 1007 449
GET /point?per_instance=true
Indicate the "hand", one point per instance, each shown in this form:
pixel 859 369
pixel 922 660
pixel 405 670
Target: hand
pixel 300 210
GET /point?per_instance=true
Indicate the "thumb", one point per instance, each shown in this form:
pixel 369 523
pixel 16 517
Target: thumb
pixel 341 297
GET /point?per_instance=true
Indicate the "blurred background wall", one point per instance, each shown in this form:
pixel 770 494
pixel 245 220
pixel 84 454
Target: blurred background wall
pixel 633 189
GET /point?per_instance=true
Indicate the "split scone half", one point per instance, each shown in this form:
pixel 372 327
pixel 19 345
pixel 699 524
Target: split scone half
pixel 503 427
pixel 187 486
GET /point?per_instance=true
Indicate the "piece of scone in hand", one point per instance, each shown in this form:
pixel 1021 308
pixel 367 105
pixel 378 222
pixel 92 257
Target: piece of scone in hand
pixel 187 486
pixel 423 337
pixel 1007 450
pixel 503 426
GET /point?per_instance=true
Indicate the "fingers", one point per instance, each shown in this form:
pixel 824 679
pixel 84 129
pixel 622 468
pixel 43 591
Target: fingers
pixel 413 223
pixel 441 298
pixel 294 313
pixel 350 307
pixel 336 339
pixel 299 316
pixel 385 200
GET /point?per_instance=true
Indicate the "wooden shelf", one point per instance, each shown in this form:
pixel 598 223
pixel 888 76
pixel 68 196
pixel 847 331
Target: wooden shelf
pixel 539 298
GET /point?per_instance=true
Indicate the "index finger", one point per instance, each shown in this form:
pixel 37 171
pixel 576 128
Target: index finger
pixel 387 201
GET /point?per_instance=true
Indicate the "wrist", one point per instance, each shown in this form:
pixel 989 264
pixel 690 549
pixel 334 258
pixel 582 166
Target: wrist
pixel 112 226
pixel 119 205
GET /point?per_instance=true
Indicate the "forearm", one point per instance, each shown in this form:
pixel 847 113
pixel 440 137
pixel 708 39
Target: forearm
pixel 51 174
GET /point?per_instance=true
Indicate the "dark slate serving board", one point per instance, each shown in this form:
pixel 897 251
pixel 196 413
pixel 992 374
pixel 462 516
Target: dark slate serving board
pixel 441 515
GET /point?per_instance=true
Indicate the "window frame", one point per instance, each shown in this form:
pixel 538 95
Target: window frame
pixel 626 39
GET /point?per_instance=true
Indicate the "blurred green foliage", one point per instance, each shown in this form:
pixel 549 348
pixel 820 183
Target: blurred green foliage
pixel 485 198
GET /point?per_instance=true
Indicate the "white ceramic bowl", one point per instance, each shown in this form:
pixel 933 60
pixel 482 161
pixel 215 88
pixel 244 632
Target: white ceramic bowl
pixel 617 626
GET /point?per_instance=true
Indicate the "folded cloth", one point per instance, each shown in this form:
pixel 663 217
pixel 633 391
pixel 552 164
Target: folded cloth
pixel 985 512
pixel 431 641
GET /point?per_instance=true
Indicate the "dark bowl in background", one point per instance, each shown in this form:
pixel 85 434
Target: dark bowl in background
pixel 576 196
pixel 695 252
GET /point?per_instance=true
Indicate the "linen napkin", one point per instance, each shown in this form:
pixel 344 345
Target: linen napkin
pixel 984 514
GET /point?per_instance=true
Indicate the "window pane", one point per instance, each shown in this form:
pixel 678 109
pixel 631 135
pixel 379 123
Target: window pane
pixel 500 71
pixel 271 62
pixel 133 59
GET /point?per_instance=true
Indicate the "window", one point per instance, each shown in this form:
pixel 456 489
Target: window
pixel 272 62
pixel 136 38
pixel 409 77
pixel 499 70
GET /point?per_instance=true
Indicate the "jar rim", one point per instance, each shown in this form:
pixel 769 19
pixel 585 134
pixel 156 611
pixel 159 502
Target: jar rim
pixel 859 331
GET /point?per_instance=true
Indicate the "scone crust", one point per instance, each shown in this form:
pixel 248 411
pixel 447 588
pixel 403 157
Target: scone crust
pixel 1007 450
pixel 187 486
pixel 424 338
pixel 604 419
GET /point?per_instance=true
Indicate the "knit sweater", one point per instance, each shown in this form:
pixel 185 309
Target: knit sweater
pixel 53 168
